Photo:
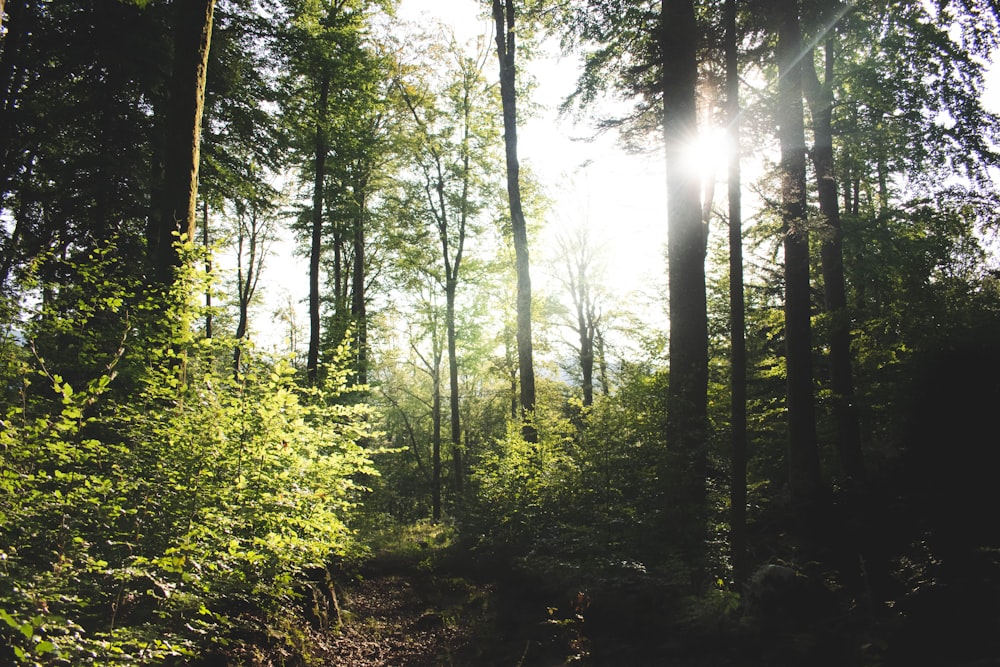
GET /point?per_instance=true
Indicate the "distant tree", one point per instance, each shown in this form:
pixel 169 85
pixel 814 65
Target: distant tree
pixel 579 270
pixel 504 16
pixel 254 233
pixel 323 49
pixel 455 133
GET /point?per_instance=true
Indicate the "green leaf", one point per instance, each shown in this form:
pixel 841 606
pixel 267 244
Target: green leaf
pixel 9 620
pixel 45 646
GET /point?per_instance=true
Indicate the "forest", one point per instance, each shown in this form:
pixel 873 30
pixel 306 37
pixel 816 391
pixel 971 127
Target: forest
pixel 462 441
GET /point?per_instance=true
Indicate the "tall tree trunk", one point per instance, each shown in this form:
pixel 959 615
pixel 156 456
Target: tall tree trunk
pixel 803 455
pixel 456 429
pixel 208 268
pixel 504 16
pixel 737 310
pixel 359 304
pixel 316 240
pixel 192 39
pixel 602 363
pixel 820 98
pixel 586 328
pixel 687 401
pixel 436 437
pixel 245 281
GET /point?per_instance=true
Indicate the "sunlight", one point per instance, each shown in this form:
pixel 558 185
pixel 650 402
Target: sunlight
pixel 707 153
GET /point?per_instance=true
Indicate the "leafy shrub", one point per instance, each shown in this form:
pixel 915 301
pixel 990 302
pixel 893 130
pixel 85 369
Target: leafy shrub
pixel 138 527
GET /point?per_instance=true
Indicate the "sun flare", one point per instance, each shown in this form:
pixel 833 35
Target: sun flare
pixel 707 153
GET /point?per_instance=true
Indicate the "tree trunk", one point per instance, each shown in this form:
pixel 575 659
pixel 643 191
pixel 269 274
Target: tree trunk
pixel 456 430
pixel 602 363
pixel 585 323
pixel 316 241
pixel 436 439
pixel 192 39
pixel 359 305
pixel 803 455
pixel 820 98
pixel 208 268
pixel 687 402
pixel 504 17
pixel 737 310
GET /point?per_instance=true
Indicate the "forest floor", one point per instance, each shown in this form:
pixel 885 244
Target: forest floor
pixel 418 608
pixel 421 602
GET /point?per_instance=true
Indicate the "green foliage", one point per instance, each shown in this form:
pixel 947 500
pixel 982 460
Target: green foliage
pixel 157 523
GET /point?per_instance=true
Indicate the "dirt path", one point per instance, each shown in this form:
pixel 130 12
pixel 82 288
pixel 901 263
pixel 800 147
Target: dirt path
pixel 406 616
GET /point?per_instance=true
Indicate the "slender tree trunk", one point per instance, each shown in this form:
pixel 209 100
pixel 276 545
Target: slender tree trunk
pixel 359 305
pixel 246 280
pixel 341 282
pixel 803 455
pixel 192 39
pixel 453 402
pixel 504 17
pixel 737 309
pixel 687 401
pixel 585 324
pixel 602 364
pixel 316 241
pixel 820 98
pixel 208 268
pixel 436 439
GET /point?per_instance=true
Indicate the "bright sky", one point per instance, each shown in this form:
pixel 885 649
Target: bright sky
pixel 620 197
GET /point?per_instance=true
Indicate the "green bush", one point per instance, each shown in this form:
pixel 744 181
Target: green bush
pixel 160 523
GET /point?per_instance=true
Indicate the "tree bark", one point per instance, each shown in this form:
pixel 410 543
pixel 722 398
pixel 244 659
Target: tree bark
pixel 586 328
pixel 504 17
pixel 820 98
pixel 192 40
pixel 316 240
pixel 436 435
pixel 803 455
pixel 687 402
pixel 208 268
pixel 359 304
pixel 737 310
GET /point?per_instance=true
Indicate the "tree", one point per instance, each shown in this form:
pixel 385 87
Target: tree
pixel 455 131
pixel 192 40
pixel 430 313
pixel 241 145
pixel 820 98
pixel 76 132
pixel 803 453
pixel 341 129
pixel 687 406
pixel 367 149
pixel 504 16
pixel 255 231
pixel 737 306
pixel 580 272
